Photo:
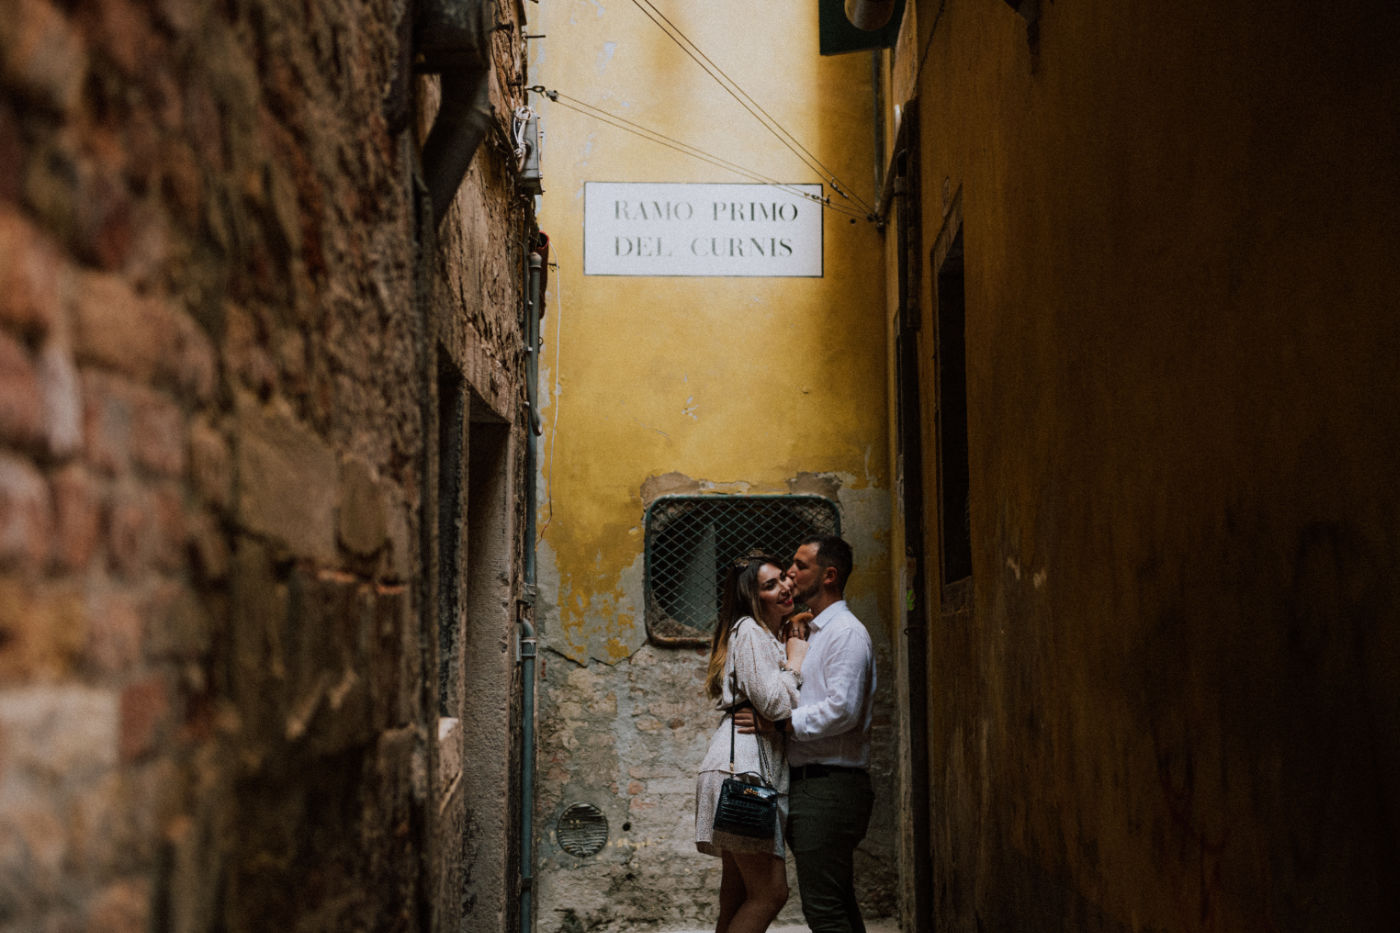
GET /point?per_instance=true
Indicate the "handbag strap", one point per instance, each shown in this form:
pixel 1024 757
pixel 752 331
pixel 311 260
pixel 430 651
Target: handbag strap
pixel 733 727
pixel 762 758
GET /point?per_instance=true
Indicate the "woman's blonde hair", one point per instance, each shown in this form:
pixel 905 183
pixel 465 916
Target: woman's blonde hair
pixel 740 599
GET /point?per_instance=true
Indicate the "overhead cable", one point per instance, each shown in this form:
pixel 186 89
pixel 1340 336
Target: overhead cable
pixel 622 123
pixel 748 103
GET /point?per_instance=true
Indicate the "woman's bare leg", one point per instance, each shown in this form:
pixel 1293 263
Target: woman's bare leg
pixel 731 892
pixel 766 891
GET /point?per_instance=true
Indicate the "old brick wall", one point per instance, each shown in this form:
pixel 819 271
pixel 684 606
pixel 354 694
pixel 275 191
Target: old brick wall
pixel 221 324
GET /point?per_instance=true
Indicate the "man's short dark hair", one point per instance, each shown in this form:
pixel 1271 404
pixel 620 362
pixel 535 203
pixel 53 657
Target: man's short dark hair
pixel 833 551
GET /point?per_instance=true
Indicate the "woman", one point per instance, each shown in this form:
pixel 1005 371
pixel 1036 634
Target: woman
pixel 748 664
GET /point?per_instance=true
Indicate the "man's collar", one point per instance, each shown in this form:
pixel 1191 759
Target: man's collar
pixel 823 617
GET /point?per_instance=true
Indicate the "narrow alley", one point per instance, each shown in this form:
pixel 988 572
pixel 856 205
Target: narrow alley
pixel 393 394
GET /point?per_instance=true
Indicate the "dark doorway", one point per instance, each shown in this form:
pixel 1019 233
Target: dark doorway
pixel 951 356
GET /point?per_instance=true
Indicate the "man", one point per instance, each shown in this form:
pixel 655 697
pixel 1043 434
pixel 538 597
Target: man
pixel 830 798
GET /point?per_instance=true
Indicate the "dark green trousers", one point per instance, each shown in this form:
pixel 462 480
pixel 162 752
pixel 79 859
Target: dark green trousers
pixel 827 819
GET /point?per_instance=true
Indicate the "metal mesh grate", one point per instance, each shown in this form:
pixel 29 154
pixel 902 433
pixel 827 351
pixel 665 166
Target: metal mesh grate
pixel 690 540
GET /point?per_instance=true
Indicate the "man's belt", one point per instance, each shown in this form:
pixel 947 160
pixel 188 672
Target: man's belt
pixel 816 770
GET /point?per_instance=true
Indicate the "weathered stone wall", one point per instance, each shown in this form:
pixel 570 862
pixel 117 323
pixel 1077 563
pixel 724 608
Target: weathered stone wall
pixel 627 737
pixel 221 323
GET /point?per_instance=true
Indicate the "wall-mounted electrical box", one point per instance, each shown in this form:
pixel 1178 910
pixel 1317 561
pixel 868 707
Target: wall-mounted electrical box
pixel 529 175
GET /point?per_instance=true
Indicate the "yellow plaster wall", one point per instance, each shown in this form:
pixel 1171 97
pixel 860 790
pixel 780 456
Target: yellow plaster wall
pixel 704 384
pixel 741 382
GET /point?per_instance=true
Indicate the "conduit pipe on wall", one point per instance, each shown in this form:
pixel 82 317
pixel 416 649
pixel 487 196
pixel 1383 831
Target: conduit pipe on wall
pixel 454 41
pixel 528 641
pixel 528 645
pixel 532 331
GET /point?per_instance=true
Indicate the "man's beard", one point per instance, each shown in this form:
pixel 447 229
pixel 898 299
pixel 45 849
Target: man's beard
pixel 803 596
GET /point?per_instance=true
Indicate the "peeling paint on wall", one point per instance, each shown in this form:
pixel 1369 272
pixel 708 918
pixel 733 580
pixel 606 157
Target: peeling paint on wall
pixel 688 386
pixel 605 56
pixel 625 722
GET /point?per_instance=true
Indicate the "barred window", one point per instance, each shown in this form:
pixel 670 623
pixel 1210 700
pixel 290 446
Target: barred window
pixel 690 540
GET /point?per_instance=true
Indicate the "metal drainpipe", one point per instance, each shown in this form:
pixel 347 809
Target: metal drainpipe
pixel 527 772
pixel 457 132
pixel 454 40
pixel 532 358
pixel 528 642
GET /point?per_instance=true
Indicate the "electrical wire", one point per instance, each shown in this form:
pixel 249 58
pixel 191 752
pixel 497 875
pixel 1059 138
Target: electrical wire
pixel 746 100
pixel 636 129
pixel 578 106
pixel 748 103
pixel 622 123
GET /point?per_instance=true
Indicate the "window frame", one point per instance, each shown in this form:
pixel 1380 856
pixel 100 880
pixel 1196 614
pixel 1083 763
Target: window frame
pixel 662 628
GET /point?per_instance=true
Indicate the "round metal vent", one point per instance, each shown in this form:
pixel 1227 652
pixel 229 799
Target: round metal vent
pixel 582 829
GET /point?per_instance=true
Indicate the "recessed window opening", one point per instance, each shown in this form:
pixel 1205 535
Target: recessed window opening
pixel 451 411
pixel 472 532
pixel 690 540
pixel 951 353
pixel 488 558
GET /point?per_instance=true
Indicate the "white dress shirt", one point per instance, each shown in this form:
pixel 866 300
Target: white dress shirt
pixel 831 724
